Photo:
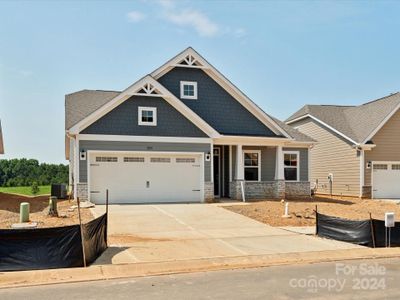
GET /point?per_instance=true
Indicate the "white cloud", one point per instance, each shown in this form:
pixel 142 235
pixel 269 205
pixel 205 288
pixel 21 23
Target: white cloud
pixel 166 3
pixel 194 19
pixel 186 18
pixel 135 16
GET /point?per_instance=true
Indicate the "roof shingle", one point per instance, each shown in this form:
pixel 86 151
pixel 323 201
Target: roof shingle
pixel 80 105
pixel 355 122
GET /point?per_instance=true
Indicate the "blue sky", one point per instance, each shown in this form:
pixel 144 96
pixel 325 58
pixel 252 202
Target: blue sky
pixel 282 54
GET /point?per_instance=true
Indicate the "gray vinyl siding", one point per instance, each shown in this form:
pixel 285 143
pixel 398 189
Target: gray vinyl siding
pixel 268 161
pixel 145 147
pixel 331 154
pixel 387 141
pixel 123 120
pixel 214 104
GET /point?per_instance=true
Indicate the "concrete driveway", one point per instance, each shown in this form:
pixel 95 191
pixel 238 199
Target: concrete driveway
pixel 165 232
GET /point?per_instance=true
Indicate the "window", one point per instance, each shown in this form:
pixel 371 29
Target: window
pixel 188 90
pixel 160 160
pixel 133 159
pixel 185 160
pixel 291 165
pixel 396 167
pixel 251 161
pixel 106 159
pixel 380 166
pixel 147 116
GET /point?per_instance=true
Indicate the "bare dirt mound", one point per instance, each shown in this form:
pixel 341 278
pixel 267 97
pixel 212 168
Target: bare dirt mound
pixel 9 211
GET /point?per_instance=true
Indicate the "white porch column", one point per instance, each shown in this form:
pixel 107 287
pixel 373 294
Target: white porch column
pixel 239 163
pixel 279 172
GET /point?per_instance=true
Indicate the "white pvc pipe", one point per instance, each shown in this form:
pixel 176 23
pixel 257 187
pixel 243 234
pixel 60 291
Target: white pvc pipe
pixel 286 209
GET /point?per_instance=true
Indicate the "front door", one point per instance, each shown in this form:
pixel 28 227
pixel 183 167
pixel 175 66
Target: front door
pixel 217 172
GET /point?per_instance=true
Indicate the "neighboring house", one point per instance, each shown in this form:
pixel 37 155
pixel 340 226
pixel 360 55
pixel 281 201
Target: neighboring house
pixel 183 133
pixel 1 141
pixel 358 145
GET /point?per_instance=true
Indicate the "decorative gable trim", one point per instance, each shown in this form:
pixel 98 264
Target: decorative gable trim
pixel 147 86
pixel 148 90
pixel 192 59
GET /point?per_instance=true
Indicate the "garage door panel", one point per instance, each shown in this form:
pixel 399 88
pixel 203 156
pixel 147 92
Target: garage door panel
pixel 146 177
pixel 386 180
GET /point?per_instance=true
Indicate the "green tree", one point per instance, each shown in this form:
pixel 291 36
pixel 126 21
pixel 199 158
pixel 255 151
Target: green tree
pixel 35 188
pixel 23 172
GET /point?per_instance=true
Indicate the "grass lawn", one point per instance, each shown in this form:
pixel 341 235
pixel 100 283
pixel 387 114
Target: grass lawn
pixel 26 190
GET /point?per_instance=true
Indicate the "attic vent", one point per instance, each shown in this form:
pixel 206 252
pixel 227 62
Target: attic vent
pixel 189 60
pixel 148 89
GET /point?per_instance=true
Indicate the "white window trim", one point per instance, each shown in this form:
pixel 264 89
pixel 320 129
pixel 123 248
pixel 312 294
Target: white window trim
pixel 259 164
pixel 194 83
pixel 143 108
pixel 298 164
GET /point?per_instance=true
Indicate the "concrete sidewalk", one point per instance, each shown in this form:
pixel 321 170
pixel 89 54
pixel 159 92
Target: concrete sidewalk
pixel 104 272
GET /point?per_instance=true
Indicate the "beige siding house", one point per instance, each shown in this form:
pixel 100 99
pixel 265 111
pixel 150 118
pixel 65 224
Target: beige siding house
pixel 358 147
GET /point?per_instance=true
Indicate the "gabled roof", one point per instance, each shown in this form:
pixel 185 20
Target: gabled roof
pixel 146 86
pixel 86 106
pixel 80 105
pixel 356 123
pixel 190 58
pixel 1 141
pixel 294 133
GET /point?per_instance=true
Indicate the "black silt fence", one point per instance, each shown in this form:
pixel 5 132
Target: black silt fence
pixel 49 248
pixel 356 232
pixel 369 232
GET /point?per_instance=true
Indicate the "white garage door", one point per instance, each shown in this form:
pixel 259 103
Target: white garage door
pixel 145 177
pixel 386 180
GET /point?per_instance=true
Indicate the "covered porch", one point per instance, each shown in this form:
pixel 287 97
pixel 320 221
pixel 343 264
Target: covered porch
pixel 267 169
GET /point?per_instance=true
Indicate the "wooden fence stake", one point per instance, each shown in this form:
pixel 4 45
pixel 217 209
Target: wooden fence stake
pixel 316 220
pixel 372 230
pixel 106 218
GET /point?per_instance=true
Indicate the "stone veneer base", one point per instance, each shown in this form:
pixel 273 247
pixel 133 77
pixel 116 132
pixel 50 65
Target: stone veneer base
pixel 278 189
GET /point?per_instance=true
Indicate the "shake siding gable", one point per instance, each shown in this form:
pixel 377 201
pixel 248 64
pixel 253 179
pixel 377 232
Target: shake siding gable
pixel 214 104
pixel 123 120
pixel 331 154
pixel 387 141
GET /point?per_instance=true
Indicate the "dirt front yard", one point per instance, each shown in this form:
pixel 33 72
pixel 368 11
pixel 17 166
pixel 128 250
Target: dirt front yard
pixel 39 208
pixel 302 211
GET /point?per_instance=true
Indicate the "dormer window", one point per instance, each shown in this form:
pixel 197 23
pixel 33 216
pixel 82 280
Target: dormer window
pixel 147 116
pixel 188 90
